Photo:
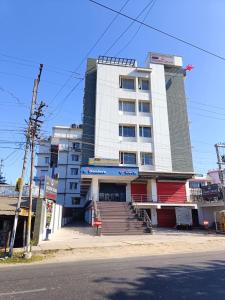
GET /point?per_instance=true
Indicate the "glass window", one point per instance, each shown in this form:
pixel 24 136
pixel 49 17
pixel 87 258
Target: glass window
pixel 145 131
pixel 47 160
pixel 75 157
pixel 126 131
pixel 143 84
pixel 128 158
pixel 127 106
pixel 74 171
pixel 127 83
pixel 76 200
pixel 144 107
pixel 44 172
pixel 73 185
pixel 76 145
pixel 146 158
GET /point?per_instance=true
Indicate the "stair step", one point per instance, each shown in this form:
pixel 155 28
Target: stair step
pixel 118 218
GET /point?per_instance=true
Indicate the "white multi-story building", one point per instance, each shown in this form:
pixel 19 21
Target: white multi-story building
pixel 136 143
pixel 60 156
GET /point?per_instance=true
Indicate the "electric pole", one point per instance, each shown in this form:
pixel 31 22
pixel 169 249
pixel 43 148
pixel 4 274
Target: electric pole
pixel 2 178
pixel 34 135
pixel 221 162
pixel 17 211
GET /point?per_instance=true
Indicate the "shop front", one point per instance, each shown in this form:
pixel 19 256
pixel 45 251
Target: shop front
pixel 107 183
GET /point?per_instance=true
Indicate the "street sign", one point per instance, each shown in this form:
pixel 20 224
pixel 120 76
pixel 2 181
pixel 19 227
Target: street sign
pixel 51 186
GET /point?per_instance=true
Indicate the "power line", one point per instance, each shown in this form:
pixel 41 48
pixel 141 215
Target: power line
pixel 160 31
pixel 33 63
pixel 138 29
pixel 128 27
pixel 89 51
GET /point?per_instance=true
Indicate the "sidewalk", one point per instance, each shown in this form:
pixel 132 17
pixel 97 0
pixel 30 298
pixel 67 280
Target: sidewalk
pixel 163 240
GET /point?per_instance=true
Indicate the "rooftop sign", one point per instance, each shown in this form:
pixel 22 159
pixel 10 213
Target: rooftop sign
pixel 162 59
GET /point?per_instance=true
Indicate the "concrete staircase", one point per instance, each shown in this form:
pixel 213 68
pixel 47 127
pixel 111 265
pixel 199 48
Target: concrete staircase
pixel 118 218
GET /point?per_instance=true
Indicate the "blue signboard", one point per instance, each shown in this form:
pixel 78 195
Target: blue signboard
pixel 109 171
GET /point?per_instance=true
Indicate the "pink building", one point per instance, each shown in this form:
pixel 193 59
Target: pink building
pixel 214 175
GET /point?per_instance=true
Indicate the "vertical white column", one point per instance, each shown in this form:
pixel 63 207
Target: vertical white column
pixel 95 189
pixel 128 192
pixel 154 216
pixel 154 190
pixel 188 191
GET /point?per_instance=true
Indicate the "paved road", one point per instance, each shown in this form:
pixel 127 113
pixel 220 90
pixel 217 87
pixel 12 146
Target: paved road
pixel 197 276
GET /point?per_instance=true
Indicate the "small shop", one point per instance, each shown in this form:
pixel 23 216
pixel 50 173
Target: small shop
pixel 107 183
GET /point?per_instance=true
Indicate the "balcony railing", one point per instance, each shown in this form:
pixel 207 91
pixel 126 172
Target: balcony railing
pixel 143 198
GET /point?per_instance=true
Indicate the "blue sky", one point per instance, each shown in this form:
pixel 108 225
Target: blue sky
pixel 60 33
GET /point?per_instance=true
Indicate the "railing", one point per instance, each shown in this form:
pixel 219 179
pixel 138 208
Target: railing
pixel 143 216
pixel 97 217
pixel 143 198
pixel 140 198
pixel 201 199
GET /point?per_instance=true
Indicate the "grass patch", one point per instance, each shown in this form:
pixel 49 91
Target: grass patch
pixel 18 258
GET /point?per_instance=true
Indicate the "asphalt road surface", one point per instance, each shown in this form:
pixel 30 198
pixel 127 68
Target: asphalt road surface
pixel 195 276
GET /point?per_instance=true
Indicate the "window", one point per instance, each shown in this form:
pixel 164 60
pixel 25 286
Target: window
pixel 145 131
pixel 144 107
pixel 47 160
pixel 127 158
pixel 127 83
pixel 127 131
pixel 75 157
pixel 143 84
pixel 146 159
pixel 74 171
pixel 75 200
pixel 44 172
pixel 127 106
pixel 73 185
pixel 76 146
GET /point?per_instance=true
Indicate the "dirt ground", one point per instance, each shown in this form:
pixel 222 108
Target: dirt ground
pixel 160 243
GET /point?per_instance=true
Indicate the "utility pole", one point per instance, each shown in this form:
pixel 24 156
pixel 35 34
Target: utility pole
pixel 2 178
pixel 221 162
pixel 17 211
pixel 34 135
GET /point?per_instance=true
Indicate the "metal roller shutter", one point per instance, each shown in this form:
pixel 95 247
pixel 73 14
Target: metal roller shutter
pixel 171 192
pixel 166 217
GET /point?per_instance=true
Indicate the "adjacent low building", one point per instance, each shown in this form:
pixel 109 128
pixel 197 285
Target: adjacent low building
pixel 60 157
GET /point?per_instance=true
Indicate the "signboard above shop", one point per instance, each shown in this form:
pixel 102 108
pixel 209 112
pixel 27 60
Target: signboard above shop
pixel 51 186
pixel 109 171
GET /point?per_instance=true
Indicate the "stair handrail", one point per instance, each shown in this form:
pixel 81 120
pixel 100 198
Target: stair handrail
pixel 97 218
pixel 96 210
pixel 147 220
pixel 143 215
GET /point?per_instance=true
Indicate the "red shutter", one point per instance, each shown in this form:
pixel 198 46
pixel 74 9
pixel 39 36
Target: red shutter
pixel 171 192
pixel 166 217
pixel 139 192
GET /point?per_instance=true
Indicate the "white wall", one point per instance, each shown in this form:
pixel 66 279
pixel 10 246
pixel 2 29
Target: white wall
pixel 161 137
pixel 107 140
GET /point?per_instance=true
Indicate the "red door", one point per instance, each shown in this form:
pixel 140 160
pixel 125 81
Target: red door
pixel 139 192
pixel 166 217
pixel 171 192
